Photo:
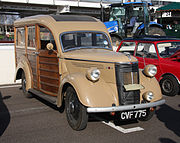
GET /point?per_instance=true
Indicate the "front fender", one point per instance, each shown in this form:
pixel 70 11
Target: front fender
pixel 23 66
pixel 150 84
pixel 90 94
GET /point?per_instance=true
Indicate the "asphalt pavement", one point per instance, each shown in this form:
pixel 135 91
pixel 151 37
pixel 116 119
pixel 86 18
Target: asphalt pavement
pixel 24 120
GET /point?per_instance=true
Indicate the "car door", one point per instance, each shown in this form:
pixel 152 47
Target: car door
pixel 146 54
pixel 32 53
pixel 48 66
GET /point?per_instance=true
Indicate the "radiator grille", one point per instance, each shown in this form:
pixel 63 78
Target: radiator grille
pixel 130 78
pixel 127 74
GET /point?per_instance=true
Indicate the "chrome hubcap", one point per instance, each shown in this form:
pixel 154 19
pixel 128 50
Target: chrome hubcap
pixel 167 86
pixel 72 108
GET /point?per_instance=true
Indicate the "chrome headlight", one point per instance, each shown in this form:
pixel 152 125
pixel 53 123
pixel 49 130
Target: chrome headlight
pixel 150 70
pixel 148 96
pixel 93 74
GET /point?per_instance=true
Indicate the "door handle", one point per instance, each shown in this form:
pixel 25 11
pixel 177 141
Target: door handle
pixel 36 53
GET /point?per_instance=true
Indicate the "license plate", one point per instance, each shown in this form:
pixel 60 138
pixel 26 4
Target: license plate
pixel 133 114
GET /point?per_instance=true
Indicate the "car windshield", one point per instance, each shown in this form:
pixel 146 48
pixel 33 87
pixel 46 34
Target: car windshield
pixel 128 47
pixel 167 49
pixel 79 40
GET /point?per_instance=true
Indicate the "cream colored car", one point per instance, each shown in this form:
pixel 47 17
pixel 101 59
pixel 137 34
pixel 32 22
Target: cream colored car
pixel 64 58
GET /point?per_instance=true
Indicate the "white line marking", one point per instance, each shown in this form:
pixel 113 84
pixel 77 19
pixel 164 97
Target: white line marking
pixel 9 86
pixel 29 109
pixel 135 129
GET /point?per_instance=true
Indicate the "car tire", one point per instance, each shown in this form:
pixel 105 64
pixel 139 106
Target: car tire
pixel 76 113
pixel 156 31
pixel 169 85
pixel 23 83
pixel 149 115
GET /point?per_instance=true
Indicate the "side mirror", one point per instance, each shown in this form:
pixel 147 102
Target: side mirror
pixel 49 46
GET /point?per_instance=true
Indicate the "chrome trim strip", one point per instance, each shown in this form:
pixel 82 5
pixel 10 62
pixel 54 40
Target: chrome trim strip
pixel 132 77
pixel 101 61
pixel 127 62
pixel 87 60
pixel 125 107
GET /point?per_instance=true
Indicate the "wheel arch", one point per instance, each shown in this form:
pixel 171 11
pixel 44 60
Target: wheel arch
pixel 170 75
pixel 62 89
pixel 24 66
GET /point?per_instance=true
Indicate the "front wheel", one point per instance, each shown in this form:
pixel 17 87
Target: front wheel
pixel 169 85
pixel 76 113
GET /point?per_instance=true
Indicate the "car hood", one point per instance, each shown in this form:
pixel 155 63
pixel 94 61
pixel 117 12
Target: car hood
pixel 100 55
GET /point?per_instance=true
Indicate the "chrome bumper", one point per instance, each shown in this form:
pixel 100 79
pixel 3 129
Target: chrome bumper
pixel 125 107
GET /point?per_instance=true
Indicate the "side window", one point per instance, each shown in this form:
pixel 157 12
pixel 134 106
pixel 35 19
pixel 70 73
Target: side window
pixel 46 37
pixel 20 40
pixel 128 47
pixel 31 37
pixel 146 50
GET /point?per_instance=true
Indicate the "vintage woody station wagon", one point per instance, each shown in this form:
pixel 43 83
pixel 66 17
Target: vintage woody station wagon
pixel 65 58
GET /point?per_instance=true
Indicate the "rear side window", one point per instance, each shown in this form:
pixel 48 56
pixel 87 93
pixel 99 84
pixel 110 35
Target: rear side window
pixel 20 40
pixel 46 37
pixel 31 36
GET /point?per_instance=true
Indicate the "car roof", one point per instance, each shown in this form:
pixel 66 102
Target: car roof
pixel 55 18
pixel 63 23
pixel 151 38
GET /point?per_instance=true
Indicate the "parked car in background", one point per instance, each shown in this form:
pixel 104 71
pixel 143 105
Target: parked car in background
pixel 69 59
pixel 163 52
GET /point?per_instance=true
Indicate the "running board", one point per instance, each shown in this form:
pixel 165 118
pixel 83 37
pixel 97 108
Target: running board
pixel 46 97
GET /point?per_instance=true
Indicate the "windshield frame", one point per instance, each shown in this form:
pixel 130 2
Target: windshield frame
pixel 85 47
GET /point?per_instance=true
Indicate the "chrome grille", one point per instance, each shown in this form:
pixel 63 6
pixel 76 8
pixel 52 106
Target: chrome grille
pixel 127 74
pixel 130 78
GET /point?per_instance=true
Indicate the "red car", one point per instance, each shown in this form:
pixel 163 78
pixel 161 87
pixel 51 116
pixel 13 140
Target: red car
pixel 164 52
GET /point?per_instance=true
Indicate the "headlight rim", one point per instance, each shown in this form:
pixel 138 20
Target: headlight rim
pixel 89 74
pixel 148 96
pixel 147 69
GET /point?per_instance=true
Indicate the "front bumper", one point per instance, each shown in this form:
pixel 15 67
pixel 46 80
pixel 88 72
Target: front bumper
pixel 125 107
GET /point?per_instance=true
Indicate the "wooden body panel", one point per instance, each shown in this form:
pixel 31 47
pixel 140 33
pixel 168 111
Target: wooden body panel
pixel 32 60
pixel 19 52
pixel 48 72
pixel 43 63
